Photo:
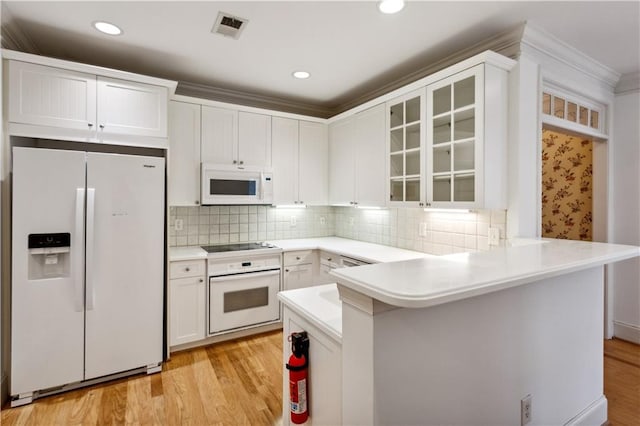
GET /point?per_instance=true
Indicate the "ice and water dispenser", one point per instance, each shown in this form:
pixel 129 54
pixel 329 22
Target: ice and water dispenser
pixel 49 255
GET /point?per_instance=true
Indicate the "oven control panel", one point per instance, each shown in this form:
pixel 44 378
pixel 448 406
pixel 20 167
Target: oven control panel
pixel 251 263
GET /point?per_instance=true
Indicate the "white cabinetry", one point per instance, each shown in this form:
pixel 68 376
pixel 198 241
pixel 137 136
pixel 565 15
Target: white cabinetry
pixel 184 154
pixel 97 106
pixel 466 122
pixel 357 150
pixel 299 269
pixel 236 138
pixel 405 149
pixel 186 302
pixel 300 162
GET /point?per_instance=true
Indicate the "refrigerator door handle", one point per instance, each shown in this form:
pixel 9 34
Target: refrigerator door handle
pixel 91 198
pixel 78 245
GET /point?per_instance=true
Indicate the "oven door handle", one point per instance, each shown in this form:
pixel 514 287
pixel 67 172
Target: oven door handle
pixel 236 277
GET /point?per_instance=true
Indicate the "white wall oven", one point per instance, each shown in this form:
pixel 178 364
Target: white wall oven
pixel 231 185
pixel 244 280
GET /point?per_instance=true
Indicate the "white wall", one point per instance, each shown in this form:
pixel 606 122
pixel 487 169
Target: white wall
pixel 625 197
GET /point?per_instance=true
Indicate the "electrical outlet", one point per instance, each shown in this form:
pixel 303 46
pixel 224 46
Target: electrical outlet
pixel 494 236
pixel 292 221
pixel 323 220
pixel 178 224
pixel 422 229
pixel 525 410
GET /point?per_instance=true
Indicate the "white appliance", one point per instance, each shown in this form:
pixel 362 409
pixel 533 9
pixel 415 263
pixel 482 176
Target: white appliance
pixel 244 280
pixel 235 185
pixel 87 268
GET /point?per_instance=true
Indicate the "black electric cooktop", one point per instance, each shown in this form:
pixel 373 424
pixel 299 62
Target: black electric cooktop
pixel 237 247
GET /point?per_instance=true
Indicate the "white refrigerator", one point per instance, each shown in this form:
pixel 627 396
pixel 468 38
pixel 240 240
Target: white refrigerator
pixel 87 267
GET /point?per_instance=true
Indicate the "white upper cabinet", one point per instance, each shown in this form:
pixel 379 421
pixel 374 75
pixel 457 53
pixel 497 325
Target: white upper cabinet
pixel 219 135
pixel 54 97
pixel 235 138
pixel 91 106
pixel 130 108
pixel 370 152
pixel 342 161
pixel 300 162
pixel 313 164
pixel 254 139
pixel 405 150
pixel 357 161
pixel 184 154
pixel 285 160
pixel 466 121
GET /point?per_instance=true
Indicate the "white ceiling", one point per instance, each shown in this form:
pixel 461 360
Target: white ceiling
pixel 349 47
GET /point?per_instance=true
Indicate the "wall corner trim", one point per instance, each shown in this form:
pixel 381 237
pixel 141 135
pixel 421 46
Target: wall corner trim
pixel 628 83
pixel 536 39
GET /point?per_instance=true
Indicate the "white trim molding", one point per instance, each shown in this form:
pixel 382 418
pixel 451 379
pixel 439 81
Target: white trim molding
pixel 625 331
pixel 628 83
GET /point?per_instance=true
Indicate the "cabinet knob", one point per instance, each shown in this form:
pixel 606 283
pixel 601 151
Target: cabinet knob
pixel 102 126
pixel 235 162
pixel 241 162
pixel 421 204
pixel 201 280
pixel 351 202
pixel 187 269
pixel 286 270
pixel 197 202
pixel 90 124
pixel 301 202
pixel 295 202
pixel 297 257
pixel 329 259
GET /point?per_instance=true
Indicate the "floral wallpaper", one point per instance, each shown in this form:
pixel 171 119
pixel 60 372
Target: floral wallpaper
pixel 567 182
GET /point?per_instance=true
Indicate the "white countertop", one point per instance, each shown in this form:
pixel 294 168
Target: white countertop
pixel 186 253
pixel 321 304
pixel 436 280
pixel 373 253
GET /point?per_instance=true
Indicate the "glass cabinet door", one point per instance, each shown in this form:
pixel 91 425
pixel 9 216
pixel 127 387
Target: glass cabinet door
pixel 452 135
pixel 405 148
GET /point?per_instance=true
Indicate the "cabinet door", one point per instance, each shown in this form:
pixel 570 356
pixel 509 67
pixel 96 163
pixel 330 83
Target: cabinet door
pixel 313 164
pixel 184 154
pixel 130 108
pixel 298 276
pixel 219 136
pixel 405 144
pixel 285 160
pixel 454 135
pixel 342 162
pixel 186 310
pixel 254 139
pixel 48 96
pixel 371 151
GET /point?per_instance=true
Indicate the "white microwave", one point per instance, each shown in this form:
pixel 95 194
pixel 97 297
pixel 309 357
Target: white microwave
pixel 223 184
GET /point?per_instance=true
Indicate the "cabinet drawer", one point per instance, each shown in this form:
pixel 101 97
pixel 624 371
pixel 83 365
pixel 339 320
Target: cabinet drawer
pixel 328 258
pixel 188 268
pixel 298 257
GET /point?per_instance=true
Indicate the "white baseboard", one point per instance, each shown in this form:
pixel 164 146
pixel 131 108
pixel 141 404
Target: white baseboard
pixel 593 415
pixel 625 331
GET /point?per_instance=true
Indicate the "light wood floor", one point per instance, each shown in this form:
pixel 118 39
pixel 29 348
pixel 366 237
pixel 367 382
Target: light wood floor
pixel 239 382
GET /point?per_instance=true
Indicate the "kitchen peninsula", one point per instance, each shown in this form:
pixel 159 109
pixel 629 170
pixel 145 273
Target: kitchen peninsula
pixel 463 338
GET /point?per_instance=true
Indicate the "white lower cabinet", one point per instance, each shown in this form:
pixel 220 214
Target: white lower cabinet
pixel 324 388
pixel 299 269
pixel 186 302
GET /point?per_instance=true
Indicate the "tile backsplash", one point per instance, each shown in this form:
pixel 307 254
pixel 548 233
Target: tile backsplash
pixel 409 228
pixel 240 224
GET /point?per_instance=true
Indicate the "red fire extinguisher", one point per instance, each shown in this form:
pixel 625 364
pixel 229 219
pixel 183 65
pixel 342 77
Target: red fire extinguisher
pixel 298 374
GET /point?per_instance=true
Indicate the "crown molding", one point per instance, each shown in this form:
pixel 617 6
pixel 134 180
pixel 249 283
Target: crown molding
pixel 13 37
pixel 238 97
pixel 536 40
pixel 506 43
pixel 628 83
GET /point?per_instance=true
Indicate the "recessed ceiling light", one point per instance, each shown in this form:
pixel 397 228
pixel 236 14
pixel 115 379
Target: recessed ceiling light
pixel 301 74
pixel 107 28
pixel 391 6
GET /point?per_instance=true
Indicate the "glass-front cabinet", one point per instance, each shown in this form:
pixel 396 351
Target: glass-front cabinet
pixel 454 135
pixel 406 149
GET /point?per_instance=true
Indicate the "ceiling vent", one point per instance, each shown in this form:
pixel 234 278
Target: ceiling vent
pixel 229 25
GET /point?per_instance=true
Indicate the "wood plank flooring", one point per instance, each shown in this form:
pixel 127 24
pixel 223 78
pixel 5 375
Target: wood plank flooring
pixel 239 383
